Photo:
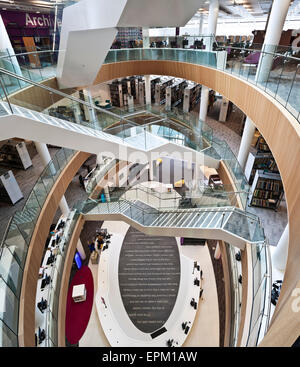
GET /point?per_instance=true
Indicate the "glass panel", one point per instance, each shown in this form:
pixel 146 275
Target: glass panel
pixel 7 337
pixel 9 307
pixel 17 237
pixel 52 328
pixel 40 192
pixel 294 93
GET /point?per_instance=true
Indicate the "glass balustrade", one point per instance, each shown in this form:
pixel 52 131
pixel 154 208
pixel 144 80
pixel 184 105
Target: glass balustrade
pixel 233 220
pixel 236 293
pixel 270 68
pixel 261 293
pixel 15 243
pixel 282 85
pixel 33 65
pixel 51 314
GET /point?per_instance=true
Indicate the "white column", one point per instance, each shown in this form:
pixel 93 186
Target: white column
pixel 275 26
pixel 130 101
pixel 148 89
pixel 203 103
pixel 5 44
pixel 92 112
pixel 80 249
pixel 217 253
pixel 46 158
pixel 146 39
pixel 280 254
pixel 43 153
pixel 77 112
pixel 212 23
pixel 208 41
pixel 151 173
pixel 246 141
pixel 200 24
pixel 64 207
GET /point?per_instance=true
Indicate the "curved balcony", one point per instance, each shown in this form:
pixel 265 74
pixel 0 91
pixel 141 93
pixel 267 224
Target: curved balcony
pixel 282 83
pixel 268 116
pixel 16 241
pixel 52 318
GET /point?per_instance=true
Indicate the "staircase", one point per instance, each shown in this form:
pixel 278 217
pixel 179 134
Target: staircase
pixel 223 223
pixel 28 124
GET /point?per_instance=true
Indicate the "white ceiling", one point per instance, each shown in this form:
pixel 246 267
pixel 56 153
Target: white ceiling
pixel 244 10
pixel 231 11
pixel 32 5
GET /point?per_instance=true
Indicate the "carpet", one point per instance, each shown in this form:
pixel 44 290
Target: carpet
pixel 78 314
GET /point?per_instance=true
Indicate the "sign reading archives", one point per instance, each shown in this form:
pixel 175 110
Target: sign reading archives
pixel 28 20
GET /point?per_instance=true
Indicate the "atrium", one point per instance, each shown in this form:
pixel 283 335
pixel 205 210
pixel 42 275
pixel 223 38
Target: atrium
pixel 149 174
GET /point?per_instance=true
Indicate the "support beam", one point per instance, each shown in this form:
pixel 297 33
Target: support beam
pixel 247 137
pixel 272 38
pixel 46 158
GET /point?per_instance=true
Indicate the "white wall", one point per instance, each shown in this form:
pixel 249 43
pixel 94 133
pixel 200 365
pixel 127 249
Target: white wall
pixel 102 91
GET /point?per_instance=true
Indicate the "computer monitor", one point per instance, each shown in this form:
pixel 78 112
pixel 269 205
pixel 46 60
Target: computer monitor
pixel 78 260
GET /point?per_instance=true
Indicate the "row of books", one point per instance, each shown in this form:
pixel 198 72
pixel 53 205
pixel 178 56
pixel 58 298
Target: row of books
pixel 266 194
pixel 268 185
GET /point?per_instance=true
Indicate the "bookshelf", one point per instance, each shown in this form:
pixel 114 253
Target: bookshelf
pixel 116 93
pixel 175 92
pixel 259 161
pixel 266 191
pixel 191 96
pixel 154 81
pixel 261 145
pixel 160 89
pixel 127 35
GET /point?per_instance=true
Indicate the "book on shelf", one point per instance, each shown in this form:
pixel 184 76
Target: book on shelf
pixel 267 190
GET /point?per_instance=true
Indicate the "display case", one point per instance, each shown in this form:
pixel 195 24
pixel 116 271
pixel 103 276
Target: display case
pixel 14 154
pixel 9 188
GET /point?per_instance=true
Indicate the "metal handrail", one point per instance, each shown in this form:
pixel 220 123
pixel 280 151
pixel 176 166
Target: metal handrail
pixel 261 51
pixel 6 97
pixel 145 189
pixel 28 53
pixel 55 91
pixel 165 210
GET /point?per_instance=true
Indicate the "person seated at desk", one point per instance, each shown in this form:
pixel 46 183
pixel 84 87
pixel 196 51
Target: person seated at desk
pixel 100 242
pixel 91 247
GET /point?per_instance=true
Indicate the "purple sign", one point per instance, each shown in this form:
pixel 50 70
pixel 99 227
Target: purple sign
pixel 25 24
pixel 28 20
